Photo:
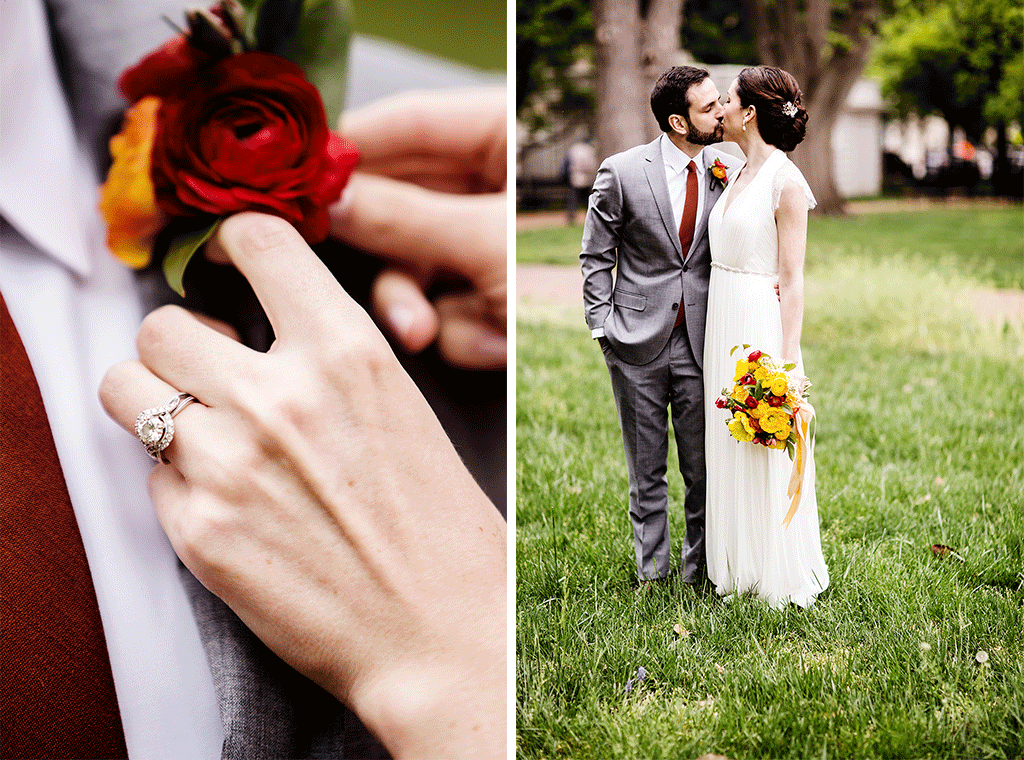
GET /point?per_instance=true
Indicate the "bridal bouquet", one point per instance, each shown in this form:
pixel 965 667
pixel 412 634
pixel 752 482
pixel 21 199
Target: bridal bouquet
pixel 768 406
pixel 764 401
pixel 231 114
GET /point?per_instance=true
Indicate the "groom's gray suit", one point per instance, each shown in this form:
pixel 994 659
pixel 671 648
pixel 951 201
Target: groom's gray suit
pixel 653 364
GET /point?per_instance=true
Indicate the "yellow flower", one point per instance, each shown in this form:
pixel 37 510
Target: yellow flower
pixel 778 385
pixel 740 394
pixel 760 373
pixel 741 369
pixel 783 434
pixel 127 199
pixel 758 411
pixel 774 421
pixel 740 428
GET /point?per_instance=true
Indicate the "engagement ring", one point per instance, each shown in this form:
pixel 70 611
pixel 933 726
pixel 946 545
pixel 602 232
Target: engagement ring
pixel 155 427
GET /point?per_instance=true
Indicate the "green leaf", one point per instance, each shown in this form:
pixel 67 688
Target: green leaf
pixel 789 367
pixel 758 391
pixel 180 251
pixel 318 41
pixel 790 449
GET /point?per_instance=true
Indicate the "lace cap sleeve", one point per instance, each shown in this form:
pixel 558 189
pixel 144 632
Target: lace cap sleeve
pixel 788 171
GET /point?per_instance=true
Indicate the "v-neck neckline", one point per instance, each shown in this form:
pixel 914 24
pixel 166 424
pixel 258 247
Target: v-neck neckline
pixel 730 200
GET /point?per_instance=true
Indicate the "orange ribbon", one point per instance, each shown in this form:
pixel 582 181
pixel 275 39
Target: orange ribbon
pixel 804 448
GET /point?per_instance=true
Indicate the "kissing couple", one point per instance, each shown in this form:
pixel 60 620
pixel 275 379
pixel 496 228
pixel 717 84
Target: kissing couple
pixel 708 254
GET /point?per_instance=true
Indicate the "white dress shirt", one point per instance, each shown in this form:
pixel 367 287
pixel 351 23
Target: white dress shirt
pixel 77 311
pixel 675 174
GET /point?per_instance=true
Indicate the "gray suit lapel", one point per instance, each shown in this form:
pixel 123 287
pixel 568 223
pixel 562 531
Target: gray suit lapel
pixel 654 167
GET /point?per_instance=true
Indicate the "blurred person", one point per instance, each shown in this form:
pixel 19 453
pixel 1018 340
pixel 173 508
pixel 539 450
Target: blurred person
pixel 142 659
pixel 581 168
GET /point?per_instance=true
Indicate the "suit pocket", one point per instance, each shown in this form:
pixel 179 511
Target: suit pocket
pixel 629 300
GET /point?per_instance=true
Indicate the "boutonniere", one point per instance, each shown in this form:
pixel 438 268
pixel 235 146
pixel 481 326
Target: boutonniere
pixel 718 172
pixel 224 120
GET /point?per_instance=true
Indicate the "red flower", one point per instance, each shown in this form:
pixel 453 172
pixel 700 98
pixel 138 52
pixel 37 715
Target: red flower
pixel 176 63
pixel 718 170
pixel 721 403
pixel 775 400
pixel 249 132
pixel 751 402
pixel 747 379
pixel 754 356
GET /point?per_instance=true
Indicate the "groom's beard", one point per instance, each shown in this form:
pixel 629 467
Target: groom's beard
pixel 697 137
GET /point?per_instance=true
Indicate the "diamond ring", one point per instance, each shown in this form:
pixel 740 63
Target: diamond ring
pixel 155 427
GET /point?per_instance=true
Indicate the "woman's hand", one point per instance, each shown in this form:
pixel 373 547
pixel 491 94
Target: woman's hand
pixel 430 197
pixel 316 493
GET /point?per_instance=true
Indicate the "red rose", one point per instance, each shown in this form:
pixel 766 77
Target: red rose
pixel 173 64
pixel 754 356
pixel 249 133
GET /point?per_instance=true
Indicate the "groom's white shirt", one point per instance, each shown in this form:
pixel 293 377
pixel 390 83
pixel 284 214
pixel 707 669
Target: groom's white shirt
pixel 675 174
pixel 77 311
pixel 675 162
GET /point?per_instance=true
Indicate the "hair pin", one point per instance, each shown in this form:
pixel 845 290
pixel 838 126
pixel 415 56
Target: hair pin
pixel 789 109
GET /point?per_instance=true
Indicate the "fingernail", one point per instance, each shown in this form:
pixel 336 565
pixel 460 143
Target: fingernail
pixel 401 318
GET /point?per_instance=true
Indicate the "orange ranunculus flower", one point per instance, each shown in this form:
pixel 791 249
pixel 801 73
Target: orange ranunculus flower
pixel 127 199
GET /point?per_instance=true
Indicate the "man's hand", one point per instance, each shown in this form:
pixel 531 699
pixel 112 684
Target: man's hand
pixel 316 493
pixel 430 197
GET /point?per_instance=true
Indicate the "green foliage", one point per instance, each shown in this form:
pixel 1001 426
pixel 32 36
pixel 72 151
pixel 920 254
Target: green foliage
pixel 716 31
pixel 961 59
pixel 552 36
pixel 918 443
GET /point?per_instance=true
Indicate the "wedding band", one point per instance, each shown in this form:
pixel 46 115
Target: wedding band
pixel 155 427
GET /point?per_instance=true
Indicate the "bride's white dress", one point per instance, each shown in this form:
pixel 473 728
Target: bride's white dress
pixel 747 545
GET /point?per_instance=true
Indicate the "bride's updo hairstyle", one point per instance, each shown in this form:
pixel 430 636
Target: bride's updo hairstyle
pixel 774 93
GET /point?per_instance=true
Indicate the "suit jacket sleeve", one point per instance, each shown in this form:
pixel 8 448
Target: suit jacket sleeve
pixel 600 245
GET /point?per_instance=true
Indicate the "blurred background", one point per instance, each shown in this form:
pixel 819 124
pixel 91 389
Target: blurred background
pixel 905 97
pixel 471 33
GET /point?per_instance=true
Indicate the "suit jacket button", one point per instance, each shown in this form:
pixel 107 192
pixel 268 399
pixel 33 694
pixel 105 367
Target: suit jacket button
pixel 675 306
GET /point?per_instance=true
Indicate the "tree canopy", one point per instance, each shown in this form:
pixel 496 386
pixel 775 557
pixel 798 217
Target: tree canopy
pixel 962 59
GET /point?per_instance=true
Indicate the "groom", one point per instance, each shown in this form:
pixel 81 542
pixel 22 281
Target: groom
pixel 648 218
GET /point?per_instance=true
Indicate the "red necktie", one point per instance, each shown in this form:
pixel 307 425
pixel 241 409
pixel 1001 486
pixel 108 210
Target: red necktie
pixel 56 693
pixel 688 222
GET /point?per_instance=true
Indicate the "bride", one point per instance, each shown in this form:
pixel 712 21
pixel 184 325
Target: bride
pixel 758 235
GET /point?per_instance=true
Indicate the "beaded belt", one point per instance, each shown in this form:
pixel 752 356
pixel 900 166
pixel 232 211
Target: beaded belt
pixel 741 271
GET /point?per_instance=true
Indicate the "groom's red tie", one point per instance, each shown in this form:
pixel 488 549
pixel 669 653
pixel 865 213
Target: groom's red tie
pixel 57 693
pixel 689 221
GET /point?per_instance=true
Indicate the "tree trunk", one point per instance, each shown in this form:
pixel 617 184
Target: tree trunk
pixel 797 42
pixel 631 51
pixel 620 122
pixel 659 50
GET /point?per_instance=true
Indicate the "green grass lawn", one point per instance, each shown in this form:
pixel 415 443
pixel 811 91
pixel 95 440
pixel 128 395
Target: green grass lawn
pixel 986 244
pixel 919 442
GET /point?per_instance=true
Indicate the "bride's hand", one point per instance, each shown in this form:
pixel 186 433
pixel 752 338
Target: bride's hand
pixel 429 197
pixel 316 493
